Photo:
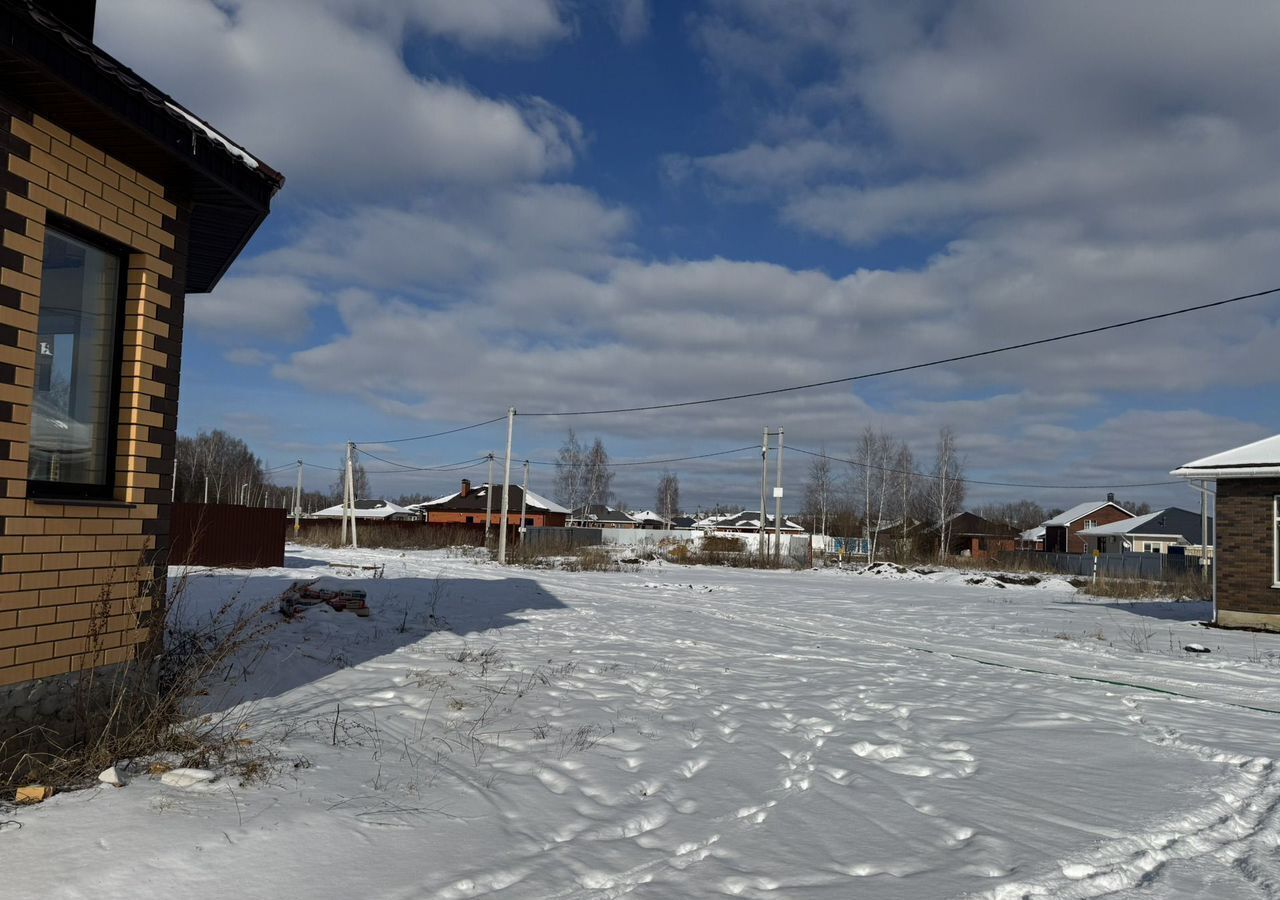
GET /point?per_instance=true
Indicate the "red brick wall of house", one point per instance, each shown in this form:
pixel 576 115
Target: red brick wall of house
pixel 1055 534
pixel 1245 543
pixel 540 519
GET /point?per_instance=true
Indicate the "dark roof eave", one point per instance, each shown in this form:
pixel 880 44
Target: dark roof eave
pixel 228 195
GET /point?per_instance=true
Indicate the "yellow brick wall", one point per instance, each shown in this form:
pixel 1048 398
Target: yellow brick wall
pixel 75 577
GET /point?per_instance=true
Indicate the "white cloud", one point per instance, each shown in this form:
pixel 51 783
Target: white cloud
pixel 1125 119
pixel 330 103
pixel 249 356
pixel 273 305
pixel 475 24
pixel 452 237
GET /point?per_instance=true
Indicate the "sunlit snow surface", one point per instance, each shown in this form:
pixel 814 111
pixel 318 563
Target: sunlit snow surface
pixel 679 732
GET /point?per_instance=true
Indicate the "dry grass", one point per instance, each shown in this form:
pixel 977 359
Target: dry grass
pixel 143 708
pixel 394 537
pixel 1184 587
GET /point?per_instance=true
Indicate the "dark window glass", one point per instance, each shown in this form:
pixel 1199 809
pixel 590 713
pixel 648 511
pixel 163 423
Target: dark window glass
pixel 75 367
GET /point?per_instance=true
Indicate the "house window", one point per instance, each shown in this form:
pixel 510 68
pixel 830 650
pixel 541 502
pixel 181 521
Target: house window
pixel 77 369
pixel 1089 523
pixel 1275 541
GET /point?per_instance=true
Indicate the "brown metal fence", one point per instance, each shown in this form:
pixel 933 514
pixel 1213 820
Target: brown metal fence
pixel 215 534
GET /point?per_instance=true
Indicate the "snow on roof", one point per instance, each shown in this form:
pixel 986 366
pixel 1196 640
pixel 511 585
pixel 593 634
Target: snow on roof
pixel 213 135
pixel 1033 534
pixel 1259 458
pixel 534 501
pixel 365 509
pixel 645 515
pixel 1080 510
pixel 1125 526
pixel 537 500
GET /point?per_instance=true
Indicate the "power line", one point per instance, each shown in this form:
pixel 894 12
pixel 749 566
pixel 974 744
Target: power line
pixel 1061 487
pixel 444 467
pixel 910 368
pixel 423 437
pixel 652 462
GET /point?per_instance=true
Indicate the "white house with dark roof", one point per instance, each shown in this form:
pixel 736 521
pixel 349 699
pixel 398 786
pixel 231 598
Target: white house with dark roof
pixel 1246 584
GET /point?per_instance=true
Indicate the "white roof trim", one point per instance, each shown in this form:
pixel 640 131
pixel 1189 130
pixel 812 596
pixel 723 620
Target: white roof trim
pixel 1079 511
pixel 1260 459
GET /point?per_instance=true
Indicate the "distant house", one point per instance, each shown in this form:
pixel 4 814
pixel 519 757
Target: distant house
pixel 746 522
pixel 1062 532
pixel 683 522
pixel 597 515
pixel 1247 532
pixel 375 510
pixel 474 506
pixel 1032 538
pixel 647 518
pixel 972 535
pixel 1167 529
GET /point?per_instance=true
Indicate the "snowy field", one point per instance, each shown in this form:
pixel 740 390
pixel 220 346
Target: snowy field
pixel 689 732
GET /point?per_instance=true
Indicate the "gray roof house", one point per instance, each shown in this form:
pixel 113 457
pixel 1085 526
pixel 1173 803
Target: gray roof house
pixel 1155 532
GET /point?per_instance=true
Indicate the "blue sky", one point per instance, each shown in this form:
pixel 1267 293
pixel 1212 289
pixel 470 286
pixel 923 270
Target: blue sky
pixel 557 204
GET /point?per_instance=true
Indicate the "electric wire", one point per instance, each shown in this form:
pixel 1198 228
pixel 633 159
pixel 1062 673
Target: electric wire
pixel 914 366
pixel 443 467
pixel 423 437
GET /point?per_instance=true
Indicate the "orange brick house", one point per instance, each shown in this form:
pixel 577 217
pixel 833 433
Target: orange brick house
pixel 116 203
pixel 472 506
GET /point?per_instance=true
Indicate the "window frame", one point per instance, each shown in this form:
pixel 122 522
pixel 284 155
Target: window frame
pixel 39 489
pixel 1275 541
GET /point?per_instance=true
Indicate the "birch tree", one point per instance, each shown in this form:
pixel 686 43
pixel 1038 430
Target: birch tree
pixel 906 488
pixel 570 481
pixel 598 475
pixel 874 482
pixel 946 492
pixel 819 490
pixel 668 498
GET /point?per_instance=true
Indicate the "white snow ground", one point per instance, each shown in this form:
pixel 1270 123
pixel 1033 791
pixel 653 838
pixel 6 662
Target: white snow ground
pixel 702 732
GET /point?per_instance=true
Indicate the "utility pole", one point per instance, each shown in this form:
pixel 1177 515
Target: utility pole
pixel 206 489
pixel 764 480
pixel 488 501
pixel 349 500
pixel 297 501
pixel 524 500
pixel 506 487
pixel 1204 530
pixel 777 505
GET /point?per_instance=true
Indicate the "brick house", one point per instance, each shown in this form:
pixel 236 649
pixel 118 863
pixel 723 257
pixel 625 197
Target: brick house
pixel 1062 532
pixel 969 534
pixel 472 506
pixel 116 204
pixel 1246 537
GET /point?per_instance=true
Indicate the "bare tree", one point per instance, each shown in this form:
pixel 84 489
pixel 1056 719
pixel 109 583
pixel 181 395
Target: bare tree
pixel 906 491
pixel 232 470
pixel 1019 514
pixel 946 492
pixel 599 477
pixel 668 498
pixel 570 481
pixel 874 482
pixel 819 491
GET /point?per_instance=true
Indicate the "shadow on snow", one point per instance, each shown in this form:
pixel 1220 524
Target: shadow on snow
pixel 321 641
